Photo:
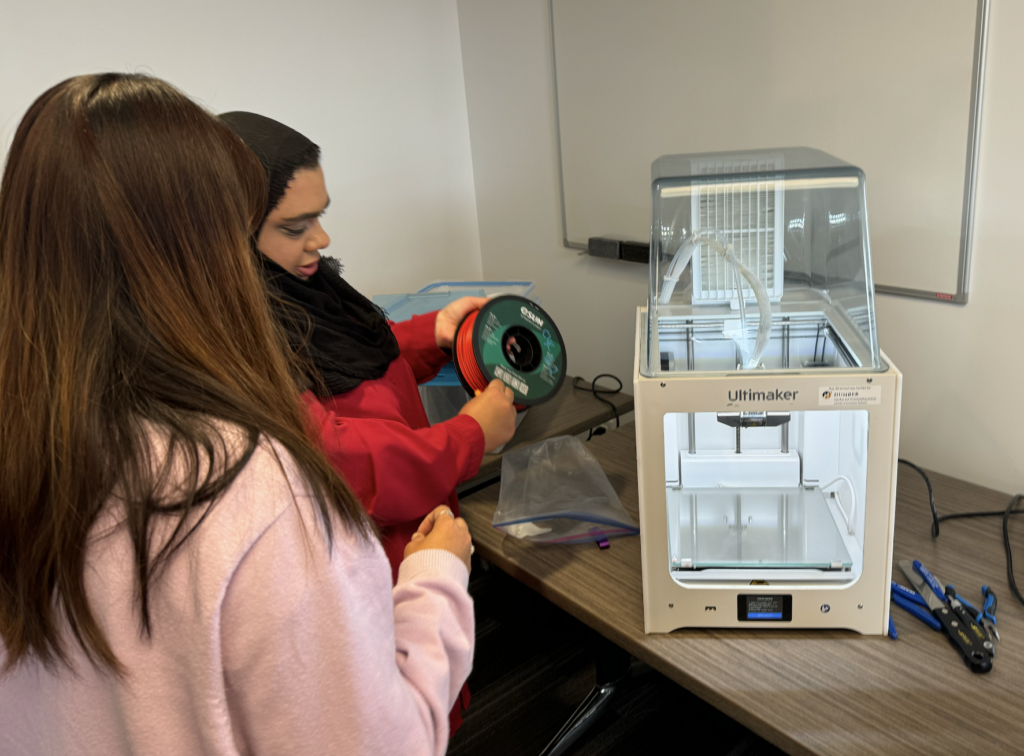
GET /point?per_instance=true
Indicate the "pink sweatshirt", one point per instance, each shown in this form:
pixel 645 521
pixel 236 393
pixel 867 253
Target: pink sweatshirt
pixel 263 642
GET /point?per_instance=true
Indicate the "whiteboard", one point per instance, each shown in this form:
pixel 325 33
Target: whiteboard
pixel 892 86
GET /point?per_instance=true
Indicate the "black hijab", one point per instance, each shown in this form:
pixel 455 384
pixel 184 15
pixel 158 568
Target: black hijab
pixel 350 340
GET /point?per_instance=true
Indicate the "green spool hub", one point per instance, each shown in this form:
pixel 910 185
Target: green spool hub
pixel 515 341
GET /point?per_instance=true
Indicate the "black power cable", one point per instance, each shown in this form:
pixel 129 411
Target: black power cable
pixel 1011 509
pixel 597 392
pixel 931 495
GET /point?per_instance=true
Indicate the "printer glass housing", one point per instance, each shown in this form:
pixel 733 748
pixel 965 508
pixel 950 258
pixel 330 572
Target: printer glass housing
pixel 797 220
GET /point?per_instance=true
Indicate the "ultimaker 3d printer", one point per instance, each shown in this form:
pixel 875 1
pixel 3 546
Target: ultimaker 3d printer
pixel 767 418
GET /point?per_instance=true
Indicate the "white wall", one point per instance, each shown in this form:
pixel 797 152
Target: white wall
pixel 963 367
pixel 962 410
pixel 376 83
pixel 506 52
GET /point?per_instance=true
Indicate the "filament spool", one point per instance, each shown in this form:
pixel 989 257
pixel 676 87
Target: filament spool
pixel 512 339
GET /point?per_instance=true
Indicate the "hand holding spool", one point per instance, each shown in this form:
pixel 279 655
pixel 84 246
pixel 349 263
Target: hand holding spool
pixel 493 409
pixel 513 340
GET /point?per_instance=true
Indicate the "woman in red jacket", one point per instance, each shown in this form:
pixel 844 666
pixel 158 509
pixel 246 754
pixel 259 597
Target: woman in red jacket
pixel 363 370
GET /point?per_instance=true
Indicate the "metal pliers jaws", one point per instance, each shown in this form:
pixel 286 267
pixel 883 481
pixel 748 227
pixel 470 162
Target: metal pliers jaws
pixel 962 608
pixel 912 602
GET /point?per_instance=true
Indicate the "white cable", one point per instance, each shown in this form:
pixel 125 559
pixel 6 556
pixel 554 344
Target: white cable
pixel 676 268
pixel 682 258
pixel 853 500
pixel 764 326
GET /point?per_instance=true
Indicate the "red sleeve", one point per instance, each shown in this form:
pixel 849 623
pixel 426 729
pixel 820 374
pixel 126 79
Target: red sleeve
pixel 419 347
pixel 399 474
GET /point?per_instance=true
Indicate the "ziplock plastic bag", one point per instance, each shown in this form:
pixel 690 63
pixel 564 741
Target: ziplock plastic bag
pixel 556 492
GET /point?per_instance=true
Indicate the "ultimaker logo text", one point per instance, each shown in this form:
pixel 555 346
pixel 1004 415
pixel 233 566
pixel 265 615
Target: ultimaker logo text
pixel 744 395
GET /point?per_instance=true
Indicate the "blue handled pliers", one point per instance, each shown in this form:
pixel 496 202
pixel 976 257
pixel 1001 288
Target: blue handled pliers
pixel 986 616
pixel 912 602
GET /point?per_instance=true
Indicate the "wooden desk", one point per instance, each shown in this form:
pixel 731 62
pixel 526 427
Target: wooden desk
pixel 808 692
pixel 569 412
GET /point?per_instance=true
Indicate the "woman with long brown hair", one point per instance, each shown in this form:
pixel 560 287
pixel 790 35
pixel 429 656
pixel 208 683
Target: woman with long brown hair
pixel 181 570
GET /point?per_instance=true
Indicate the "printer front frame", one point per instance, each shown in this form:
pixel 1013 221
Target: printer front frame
pixel 669 603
